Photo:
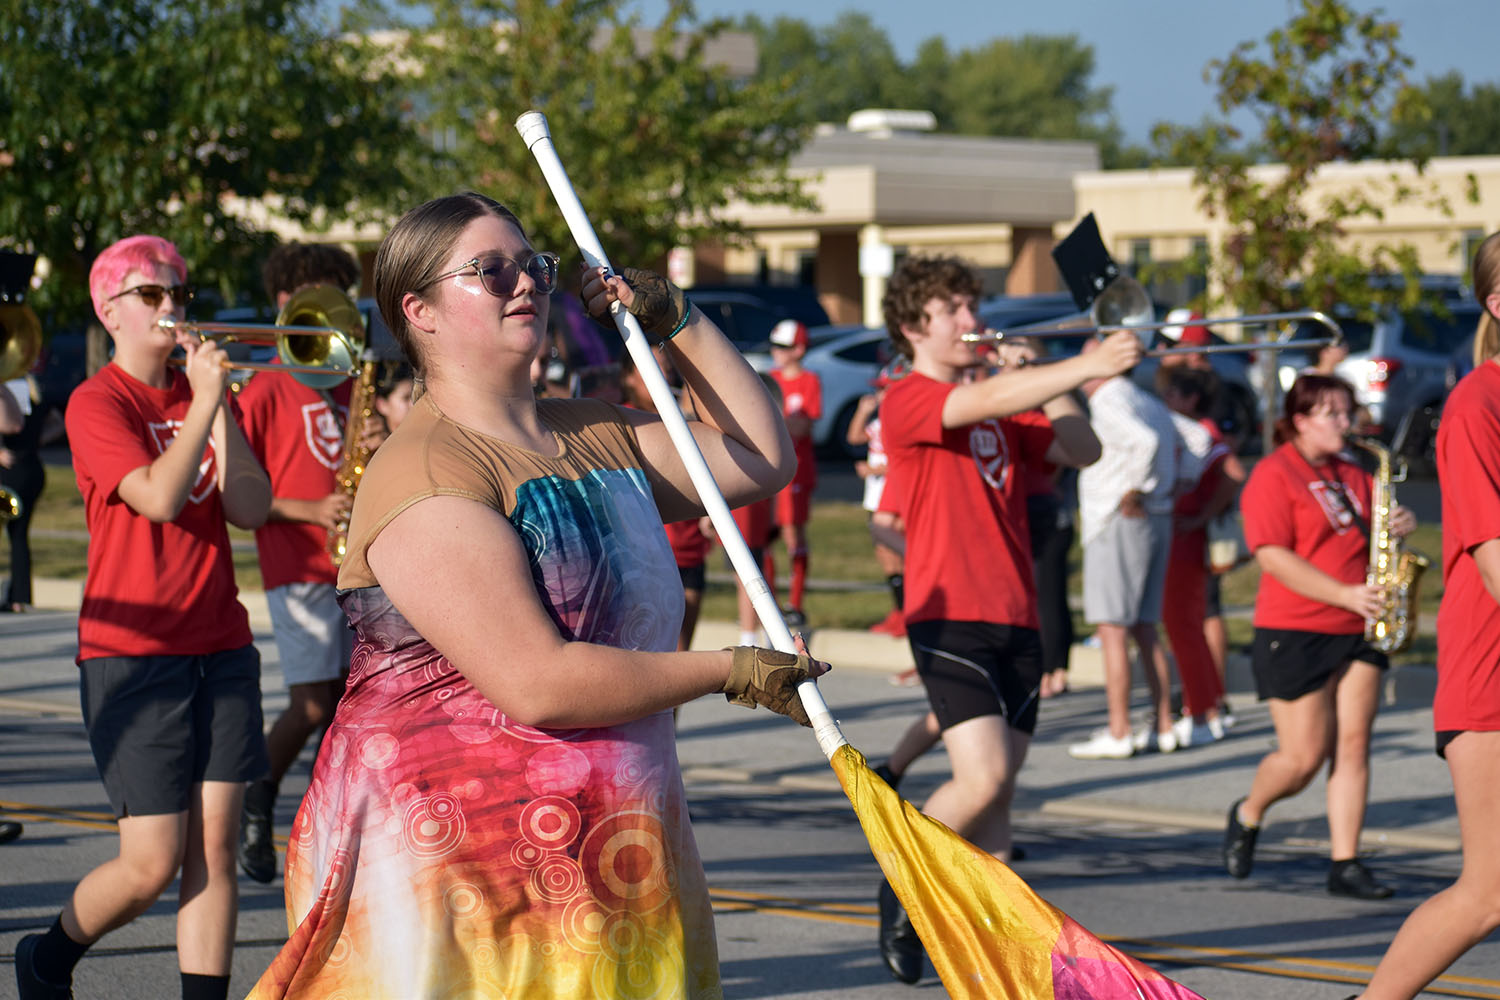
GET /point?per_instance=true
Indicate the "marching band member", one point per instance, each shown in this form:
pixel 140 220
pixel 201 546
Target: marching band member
pixel 1306 511
pixel 955 451
pixel 297 433
pixel 497 808
pixel 1466 708
pixel 169 677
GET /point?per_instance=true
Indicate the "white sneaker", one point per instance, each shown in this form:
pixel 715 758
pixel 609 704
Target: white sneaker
pixel 1218 728
pixel 1192 734
pixel 1103 746
pixel 1147 738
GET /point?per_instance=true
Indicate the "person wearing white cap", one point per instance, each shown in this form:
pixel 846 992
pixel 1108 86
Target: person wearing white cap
pixel 801 406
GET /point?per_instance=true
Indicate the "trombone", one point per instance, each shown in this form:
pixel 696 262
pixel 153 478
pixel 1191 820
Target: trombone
pixel 319 335
pixel 1281 343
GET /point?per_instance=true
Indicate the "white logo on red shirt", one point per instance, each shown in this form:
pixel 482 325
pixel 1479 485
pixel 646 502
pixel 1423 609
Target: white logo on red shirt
pixel 794 404
pixel 320 428
pixel 991 453
pixel 165 433
pixel 1339 505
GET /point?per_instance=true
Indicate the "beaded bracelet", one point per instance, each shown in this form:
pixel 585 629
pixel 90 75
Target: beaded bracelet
pixel 687 310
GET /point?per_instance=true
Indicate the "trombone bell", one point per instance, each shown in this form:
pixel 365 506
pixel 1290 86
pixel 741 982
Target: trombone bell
pixel 327 308
pixel 319 335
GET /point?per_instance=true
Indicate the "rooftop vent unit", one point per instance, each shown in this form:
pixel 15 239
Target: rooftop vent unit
pixel 885 122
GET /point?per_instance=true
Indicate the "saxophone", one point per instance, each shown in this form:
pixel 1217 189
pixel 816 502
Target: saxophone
pixel 356 454
pixel 1393 567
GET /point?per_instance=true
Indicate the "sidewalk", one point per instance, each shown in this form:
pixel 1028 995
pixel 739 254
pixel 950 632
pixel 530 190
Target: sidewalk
pixel 1411 798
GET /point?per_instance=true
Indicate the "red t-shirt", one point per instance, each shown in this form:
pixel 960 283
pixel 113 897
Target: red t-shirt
pixel 689 544
pixel 1212 462
pixel 754 522
pixel 962 493
pixel 1468 461
pixel 152 589
pixel 1041 476
pixel 802 394
pixel 1321 513
pixel 297 433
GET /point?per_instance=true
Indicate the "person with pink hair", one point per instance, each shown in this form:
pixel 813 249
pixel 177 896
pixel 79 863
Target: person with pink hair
pixel 169 676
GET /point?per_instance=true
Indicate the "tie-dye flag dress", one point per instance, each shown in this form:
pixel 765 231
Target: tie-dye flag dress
pixel 446 851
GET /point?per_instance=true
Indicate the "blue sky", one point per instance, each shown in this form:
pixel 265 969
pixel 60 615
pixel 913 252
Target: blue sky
pixel 1152 52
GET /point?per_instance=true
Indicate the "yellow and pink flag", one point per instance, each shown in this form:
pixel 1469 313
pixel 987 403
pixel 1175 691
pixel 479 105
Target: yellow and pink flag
pixel 987 933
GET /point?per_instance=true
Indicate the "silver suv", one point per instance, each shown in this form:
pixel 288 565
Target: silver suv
pixel 1398 365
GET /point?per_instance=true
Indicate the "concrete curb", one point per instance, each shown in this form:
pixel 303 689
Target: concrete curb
pixel 853 649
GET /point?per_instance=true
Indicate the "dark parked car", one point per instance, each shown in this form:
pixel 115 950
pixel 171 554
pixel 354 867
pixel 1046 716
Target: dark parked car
pixel 64 367
pixel 747 313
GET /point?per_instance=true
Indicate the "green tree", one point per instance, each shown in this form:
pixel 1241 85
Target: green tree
pixel 657 139
pixel 1319 94
pixel 1035 86
pixel 124 116
pixel 834 70
pixel 1464 121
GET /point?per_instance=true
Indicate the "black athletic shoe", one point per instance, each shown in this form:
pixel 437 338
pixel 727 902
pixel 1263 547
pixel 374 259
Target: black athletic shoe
pixel 794 618
pixel 1352 879
pixel 30 986
pixel 899 944
pixel 9 830
pixel 1239 843
pixel 257 851
pixel 885 774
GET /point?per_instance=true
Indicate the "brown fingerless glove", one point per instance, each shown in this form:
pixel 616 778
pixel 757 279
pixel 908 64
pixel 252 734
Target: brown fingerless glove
pixel 659 306
pixel 768 677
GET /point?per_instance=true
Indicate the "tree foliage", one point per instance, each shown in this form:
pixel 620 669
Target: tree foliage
pixel 127 116
pixel 1319 93
pixel 833 70
pixel 1035 86
pixel 1463 121
pixel 657 139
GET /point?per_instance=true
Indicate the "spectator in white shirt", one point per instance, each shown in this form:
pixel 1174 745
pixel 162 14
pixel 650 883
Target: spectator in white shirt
pixel 1125 505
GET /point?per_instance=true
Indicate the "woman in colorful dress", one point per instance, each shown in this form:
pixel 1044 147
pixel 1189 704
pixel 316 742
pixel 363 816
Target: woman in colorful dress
pixel 1307 516
pixel 497 809
pixel 1466 707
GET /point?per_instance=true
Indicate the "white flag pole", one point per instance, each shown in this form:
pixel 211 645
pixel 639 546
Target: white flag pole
pixel 533 128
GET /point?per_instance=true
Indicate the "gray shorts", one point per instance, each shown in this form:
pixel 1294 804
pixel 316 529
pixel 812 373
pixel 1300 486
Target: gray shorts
pixel 160 724
pixel 1125 571
pixel 312 635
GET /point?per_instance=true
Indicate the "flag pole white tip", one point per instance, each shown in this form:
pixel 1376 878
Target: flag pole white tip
pixel 533 126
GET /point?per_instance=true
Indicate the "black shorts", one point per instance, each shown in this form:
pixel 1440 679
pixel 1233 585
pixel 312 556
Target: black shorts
pixel 1213 597
pixel 971 669
pixel 693 577
pixel 1289 664
pixel 160 724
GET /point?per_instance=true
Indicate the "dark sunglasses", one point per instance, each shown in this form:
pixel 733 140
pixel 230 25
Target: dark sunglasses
pixel 153 294
pixel 499 273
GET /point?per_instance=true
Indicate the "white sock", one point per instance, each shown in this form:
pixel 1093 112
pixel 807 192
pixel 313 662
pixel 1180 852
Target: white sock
pixel 748 638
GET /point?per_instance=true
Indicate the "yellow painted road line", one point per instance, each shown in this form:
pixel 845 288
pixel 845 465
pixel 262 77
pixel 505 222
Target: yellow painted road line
pixel 863 915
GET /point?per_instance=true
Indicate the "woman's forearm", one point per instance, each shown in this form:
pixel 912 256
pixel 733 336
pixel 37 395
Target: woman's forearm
pixel 729 394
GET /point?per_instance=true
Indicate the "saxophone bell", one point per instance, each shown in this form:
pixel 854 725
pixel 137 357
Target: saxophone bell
pixel 1394 568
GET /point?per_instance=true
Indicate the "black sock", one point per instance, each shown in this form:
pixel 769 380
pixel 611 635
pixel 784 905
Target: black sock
pixel 56 954
pixel 897 583
pixel 196 987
